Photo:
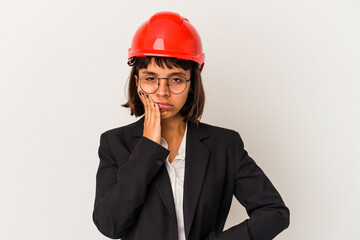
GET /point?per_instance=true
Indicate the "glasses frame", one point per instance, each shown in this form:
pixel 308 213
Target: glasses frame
pixel 158 84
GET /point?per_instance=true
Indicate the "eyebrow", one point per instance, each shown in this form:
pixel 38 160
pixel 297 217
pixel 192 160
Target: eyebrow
pixel 173 73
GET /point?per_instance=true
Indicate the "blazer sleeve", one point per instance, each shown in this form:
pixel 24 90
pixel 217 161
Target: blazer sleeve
pixel 264 205
pixel 121 190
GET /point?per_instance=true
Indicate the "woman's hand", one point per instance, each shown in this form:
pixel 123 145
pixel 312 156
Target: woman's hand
pixel 152 126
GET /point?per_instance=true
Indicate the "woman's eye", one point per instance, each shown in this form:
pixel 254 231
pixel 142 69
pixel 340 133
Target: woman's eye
pixel 178 80
pixel 150 78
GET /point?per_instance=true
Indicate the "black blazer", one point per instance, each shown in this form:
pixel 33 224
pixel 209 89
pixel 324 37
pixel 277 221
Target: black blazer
pixel 134 198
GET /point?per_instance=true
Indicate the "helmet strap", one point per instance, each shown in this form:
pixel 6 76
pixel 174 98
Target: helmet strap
pixel 131 61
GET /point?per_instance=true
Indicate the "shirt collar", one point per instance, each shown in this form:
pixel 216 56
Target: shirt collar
pixel 183 144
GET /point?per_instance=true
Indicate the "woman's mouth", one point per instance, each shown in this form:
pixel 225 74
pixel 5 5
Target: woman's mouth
pixel 164 105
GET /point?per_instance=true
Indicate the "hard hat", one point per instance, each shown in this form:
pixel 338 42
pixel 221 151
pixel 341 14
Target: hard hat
pixel 167 34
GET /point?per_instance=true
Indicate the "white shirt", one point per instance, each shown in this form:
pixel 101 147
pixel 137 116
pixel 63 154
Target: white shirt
pixel 176 171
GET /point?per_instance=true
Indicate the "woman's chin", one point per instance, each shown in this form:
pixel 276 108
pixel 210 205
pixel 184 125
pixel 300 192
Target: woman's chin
pixel 164 114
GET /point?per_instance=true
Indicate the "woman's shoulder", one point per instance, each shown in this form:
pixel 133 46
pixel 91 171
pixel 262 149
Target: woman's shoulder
pixel 220 136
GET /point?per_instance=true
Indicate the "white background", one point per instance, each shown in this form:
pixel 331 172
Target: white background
pixel 284 74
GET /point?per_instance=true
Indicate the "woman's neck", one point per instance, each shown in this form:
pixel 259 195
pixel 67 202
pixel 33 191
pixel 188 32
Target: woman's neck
pixel 172 128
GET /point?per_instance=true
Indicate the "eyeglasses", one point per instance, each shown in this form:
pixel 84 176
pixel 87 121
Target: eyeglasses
pixel 150 83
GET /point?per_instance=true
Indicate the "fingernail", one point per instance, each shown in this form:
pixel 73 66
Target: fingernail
pixel 147 96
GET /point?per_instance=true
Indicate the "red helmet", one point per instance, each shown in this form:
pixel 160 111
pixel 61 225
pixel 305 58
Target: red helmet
pixel 167 34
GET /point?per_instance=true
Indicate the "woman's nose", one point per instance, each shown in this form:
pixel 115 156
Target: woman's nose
pixel 163 88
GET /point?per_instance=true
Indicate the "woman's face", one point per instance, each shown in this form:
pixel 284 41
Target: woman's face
pixel 162 94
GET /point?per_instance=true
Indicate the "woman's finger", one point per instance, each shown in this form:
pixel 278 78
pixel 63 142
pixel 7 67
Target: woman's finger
pixel 151 102
pixel 155 109
pixel 143 100
pixel 148 105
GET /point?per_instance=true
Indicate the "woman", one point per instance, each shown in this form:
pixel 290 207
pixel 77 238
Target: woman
pixel 168 175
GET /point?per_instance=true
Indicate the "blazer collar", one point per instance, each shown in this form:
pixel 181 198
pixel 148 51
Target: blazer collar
pixel 196 160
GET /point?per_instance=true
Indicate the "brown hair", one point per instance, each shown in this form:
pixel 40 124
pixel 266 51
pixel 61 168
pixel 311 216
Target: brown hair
pixel 194 105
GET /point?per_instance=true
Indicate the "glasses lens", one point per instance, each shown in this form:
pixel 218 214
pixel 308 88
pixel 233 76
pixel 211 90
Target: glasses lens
pixel 177 84
pixel 149 83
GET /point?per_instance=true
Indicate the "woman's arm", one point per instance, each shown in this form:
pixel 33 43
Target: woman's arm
pixel 268 213
pixel 121 190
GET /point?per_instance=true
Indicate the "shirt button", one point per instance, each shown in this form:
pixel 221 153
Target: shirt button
pixel 158 162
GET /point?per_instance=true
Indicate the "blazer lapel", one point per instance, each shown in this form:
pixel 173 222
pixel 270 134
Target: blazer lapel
pixel 138 131
pixel 163 186
pixel 196 161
